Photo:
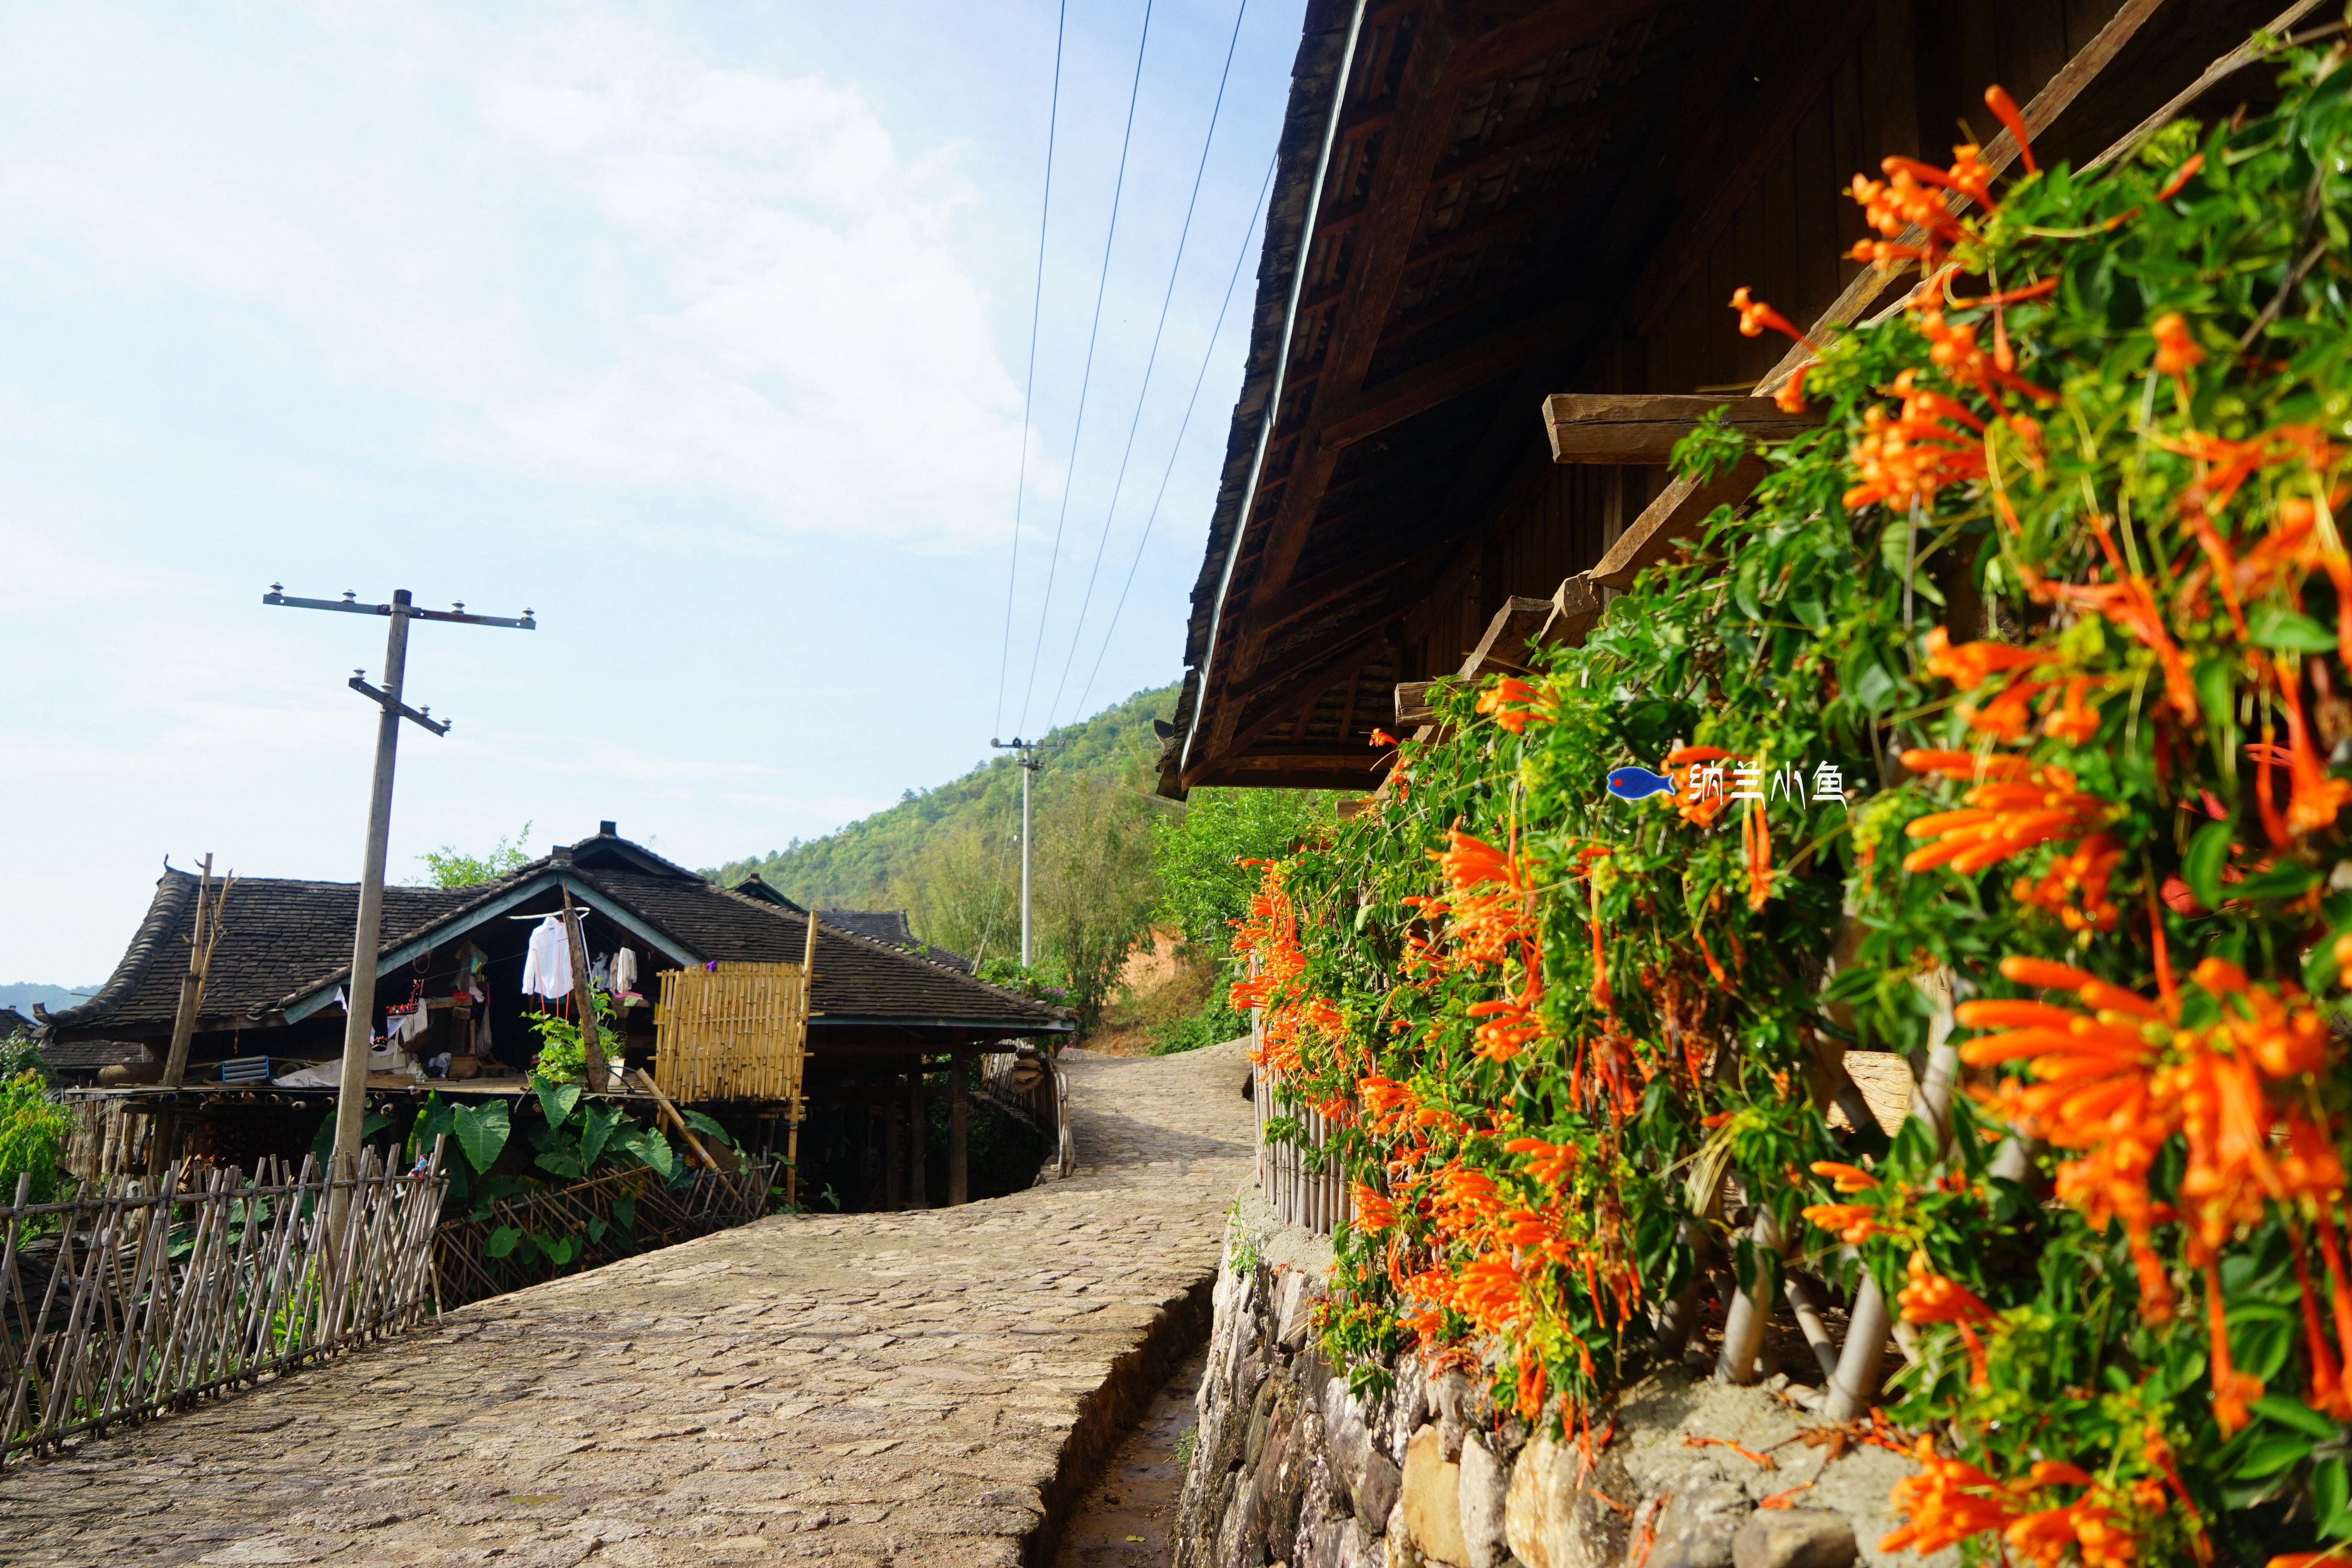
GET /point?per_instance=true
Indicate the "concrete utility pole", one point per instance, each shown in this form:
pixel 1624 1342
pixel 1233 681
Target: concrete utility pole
pixel 367 936
pixel 1029 764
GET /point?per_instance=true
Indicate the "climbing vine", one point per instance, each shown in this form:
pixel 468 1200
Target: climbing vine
pixel 2015 706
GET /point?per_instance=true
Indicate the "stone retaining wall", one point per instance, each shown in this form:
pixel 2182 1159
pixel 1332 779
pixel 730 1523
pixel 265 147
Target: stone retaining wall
pixel 1288 1467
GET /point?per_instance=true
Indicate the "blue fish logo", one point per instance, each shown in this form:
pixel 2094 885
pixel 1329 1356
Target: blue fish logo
pixel 1637 783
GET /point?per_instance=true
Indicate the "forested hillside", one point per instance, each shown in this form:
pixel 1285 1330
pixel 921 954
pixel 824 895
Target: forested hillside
pixel 950 855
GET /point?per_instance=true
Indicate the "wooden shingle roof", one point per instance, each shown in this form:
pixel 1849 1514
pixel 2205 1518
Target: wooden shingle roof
pixel 286 942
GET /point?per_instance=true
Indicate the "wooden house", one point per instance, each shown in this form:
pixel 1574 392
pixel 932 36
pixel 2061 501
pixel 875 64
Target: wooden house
pixel 456 1017
pixel 1494 293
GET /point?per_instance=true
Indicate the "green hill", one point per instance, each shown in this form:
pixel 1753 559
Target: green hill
pixel 869 864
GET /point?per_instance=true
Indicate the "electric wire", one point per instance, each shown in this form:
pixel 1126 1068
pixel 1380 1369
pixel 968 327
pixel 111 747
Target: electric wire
pixel 1036 299
pixel 1086 378
pixel 1207 357
pixel 1110 513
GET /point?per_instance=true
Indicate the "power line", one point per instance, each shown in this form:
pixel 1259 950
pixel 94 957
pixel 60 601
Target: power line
pixel 1085 601
pixel 1207 355
pixel 1086 378
pixel 1036 299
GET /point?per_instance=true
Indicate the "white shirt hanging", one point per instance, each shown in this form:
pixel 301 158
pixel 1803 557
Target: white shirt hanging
pixel 624 970
pixel 547 969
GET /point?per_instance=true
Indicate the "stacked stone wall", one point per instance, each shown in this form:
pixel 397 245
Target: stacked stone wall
pixel 1291 1466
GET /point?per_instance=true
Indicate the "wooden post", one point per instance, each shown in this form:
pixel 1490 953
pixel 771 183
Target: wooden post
pixel 584 993
pixel 201 940
pixel 958 1131
pixel 894 1171
pixel 192 988
pixel 918 1124
pixel 799 1112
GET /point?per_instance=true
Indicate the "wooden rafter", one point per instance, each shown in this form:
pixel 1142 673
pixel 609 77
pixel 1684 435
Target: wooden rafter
pixel 1642 428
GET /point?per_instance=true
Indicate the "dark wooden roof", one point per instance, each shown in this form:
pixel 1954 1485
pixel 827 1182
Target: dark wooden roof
pixel 285 942
pixel 277 935
pixel 891 926
pixel 1524 197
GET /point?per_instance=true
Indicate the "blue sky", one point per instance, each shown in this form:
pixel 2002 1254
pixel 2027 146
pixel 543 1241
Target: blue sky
pixel 699 330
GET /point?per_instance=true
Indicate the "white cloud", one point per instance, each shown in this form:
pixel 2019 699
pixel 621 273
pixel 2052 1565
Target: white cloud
pixel 588 251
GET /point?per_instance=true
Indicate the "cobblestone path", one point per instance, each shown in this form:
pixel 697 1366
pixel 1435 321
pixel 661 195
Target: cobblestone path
pixel 915 1388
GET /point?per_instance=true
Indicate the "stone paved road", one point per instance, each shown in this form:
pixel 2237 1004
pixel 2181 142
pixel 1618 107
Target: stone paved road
pixel 904 1389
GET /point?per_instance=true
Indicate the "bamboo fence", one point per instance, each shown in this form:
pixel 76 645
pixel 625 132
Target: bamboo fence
pixel 659 1215
pixel 736 1032
pixel 145 1298
pixel 1299 1194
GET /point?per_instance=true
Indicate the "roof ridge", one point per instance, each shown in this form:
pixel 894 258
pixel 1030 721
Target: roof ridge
pixel 173 891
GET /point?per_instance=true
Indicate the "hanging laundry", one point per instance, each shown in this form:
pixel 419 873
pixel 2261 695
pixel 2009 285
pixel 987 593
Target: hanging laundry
pixel 625 972
pixel 547 969
pixel 596 971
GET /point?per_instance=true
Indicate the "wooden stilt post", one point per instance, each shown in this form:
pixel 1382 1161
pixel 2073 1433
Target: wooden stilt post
pixel 894 1169
pixel 584 998
pixel 799 1111
pixel 958 1131
pixel 918 1127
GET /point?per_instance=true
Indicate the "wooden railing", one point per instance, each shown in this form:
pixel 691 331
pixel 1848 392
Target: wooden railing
pixel 139 1300
pixel 593 1222
pixel 1028 1084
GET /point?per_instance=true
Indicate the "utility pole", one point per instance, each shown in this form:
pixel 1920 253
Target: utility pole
pixel 1029 764
pixel 367 936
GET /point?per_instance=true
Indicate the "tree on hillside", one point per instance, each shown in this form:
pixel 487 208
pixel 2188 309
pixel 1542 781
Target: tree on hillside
pixel 1094 888
pixel 962 890
pixel 1205 887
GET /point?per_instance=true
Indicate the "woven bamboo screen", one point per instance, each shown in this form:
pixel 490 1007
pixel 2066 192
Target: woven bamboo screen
pixel 737 1032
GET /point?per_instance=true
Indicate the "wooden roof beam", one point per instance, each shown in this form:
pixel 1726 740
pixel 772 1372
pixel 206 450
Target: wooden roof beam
pixel 1641 427
pixel 1684 505
pixel 1387 404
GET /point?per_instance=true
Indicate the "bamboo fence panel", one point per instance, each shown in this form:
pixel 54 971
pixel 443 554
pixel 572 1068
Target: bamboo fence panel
pixel 736 1032
pixel 145 1298
pixel 658 1213
pixel 1299 1193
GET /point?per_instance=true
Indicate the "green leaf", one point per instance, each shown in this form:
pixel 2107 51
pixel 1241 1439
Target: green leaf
pixel 2288 881
pixel 2275 626
pixel 708 1127
pixel 654 1151
pixel 482 1131
pixel 2202 867
pixel 502 1241
pixel 556 1099
pixel 2269 1455
pixel 625 1213
pixel 563 1159
pixel 596 1227
pixel 596 1125
pixel 2295 1413
pixel 2331 1498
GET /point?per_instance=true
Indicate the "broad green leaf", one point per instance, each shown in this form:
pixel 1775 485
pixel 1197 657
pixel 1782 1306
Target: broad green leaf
pixel 2288 881
pixel 596 1227
pixel 2331 1498
pixel 2275 626
pixel 482 1131
pixel 556 1099
pixel 2269 1455
pixel 654 1151
pixel 502 1241
pixel 563 1159
pixel 2295 1413
pixel 596 1125
pixel 2202 867
pixel 625 1213
pixel 708 1127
